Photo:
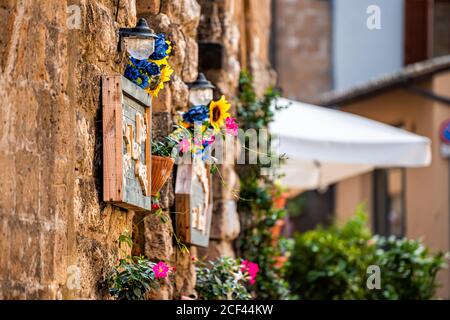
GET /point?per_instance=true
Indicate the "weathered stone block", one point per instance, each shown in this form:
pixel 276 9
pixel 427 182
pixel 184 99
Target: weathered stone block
pixel 7 184
pixel 47 247
pixel 190 66
pixel 180 94
pixel 217 248
pixel 158 239
pixel 24 255
pixel 4 248
pixel 163 102
pixel 185 273
pixel 94 262
pixel 148 6
pixel 225 223
pixel 27 182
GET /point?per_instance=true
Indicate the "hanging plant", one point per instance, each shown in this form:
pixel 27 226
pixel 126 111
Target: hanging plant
pixel 162 164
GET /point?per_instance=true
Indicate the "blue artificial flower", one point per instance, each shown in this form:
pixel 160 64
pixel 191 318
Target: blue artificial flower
pixel 142 81
pixel 153 69
pixel 161 48
pixel 137 63
pixel 140 71
pixel 131 73
pixel 145 66
pixel 196 114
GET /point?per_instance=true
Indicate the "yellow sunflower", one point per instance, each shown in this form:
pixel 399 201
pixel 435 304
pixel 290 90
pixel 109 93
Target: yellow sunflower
pixel 218 112
pixel 169 49
pixel 161 62
pixel 166 72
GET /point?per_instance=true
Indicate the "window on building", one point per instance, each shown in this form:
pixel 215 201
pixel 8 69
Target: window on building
pixel 389 202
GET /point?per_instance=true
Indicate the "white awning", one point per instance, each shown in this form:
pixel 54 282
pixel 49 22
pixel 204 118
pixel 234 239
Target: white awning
pixel 324 146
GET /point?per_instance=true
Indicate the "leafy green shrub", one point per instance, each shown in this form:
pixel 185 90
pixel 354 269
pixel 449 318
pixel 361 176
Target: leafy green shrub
pixel 222 279
pixel 332 264
pixel 134 276
pixel 132 279
pixel 408 270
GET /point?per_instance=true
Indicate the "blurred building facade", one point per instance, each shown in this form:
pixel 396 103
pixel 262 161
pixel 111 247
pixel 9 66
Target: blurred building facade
pixel 322 45
pixel 411 202
pixel 325 46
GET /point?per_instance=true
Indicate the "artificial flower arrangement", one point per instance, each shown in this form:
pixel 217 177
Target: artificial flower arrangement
pixel 151 74
pixel 201 124
pixel 195 132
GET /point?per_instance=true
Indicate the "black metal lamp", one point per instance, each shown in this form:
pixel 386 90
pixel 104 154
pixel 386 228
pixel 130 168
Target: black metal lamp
pixel 139 41
pixel 200 91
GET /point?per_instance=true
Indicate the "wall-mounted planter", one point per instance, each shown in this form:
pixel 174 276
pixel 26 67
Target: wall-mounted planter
pixel 161 170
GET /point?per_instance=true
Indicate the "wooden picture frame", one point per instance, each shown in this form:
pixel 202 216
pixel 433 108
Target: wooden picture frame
pixel 126 121
pixel 194 203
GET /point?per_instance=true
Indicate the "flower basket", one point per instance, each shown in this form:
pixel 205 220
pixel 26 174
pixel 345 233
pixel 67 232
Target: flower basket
pixel 161 170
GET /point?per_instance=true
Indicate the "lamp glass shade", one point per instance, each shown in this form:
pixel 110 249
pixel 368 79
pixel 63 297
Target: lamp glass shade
pixel 140 48
pixel 200 96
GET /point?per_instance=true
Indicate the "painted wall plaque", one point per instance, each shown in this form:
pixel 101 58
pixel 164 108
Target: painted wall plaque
pixel 193 202
pixel 126 144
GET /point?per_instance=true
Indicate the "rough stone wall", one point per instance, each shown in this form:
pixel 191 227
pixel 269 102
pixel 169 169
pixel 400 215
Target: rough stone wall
pixel 53 222
pixel 32 92
pixel 302 34
pixel 51 214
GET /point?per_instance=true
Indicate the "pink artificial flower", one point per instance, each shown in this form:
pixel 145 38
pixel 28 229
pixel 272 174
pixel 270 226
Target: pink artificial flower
pixel 208 140
pixel 231 125
pixel 161 270
pixel 251 268
pixel 185 145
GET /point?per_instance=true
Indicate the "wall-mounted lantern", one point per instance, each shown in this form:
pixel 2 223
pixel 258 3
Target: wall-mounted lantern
pixel 200 91
pixel 138 41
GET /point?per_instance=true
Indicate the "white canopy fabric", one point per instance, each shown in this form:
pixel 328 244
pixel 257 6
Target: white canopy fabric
pixel 324 146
